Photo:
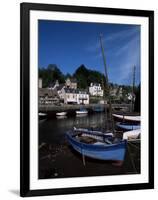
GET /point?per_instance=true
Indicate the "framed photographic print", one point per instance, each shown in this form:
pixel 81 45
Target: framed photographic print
pixel 87 99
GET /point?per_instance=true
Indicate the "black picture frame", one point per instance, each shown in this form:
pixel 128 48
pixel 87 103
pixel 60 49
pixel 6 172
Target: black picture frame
pixel 25 9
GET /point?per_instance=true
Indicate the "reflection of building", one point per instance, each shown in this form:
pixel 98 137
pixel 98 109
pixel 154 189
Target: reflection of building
pixel 71 83
pixel 74 96
pixel 95 89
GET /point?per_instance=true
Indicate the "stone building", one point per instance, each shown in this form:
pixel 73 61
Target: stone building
pixel 71 83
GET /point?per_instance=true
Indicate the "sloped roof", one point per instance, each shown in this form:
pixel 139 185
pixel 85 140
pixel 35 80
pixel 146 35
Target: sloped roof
pixel 75 91
pixel 60 87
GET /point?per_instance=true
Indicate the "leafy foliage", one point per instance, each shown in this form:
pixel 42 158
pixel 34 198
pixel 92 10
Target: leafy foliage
pixel 86 76
pixel 51 74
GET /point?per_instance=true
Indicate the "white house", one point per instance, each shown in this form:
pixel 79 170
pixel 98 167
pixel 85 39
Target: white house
pixel 74 96
pixel 60 91
pixel 82 97
pixel 95 89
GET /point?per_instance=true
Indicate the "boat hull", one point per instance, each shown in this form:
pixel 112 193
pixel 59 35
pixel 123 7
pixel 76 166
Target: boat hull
pixel 42 116
pixel 114 152
pixel 61 114
pixel 81 112
pixel 126 118
pixel 132 135
pixel 127 127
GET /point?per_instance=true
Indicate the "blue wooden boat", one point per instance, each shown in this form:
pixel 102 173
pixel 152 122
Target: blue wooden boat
pixel 102 147
pixel 127 127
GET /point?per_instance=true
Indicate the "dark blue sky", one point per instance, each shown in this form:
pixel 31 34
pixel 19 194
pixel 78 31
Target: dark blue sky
pixel 70 44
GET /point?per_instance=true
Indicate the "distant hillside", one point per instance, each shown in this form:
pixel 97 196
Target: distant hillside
pixel 51 74
pixel 83 75
pixel 86 76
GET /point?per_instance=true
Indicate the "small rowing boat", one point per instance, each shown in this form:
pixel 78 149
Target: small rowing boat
pixel 102 147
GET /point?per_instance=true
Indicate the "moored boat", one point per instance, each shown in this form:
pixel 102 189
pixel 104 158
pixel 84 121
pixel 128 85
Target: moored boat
pixel 127 126
pixel 131 135
pixel 61 113
pixel 128 118
pixel 102 147
pixel 81 111
pixel 42 115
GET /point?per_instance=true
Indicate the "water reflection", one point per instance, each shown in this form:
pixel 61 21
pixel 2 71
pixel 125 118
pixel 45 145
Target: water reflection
pixel 53 130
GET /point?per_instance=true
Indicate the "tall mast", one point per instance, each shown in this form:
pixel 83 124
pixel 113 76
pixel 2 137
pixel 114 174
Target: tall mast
pixel 107 82
pixel 133 86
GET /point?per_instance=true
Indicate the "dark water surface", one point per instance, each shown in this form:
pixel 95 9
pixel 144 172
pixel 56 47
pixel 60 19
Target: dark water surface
pixel 57 159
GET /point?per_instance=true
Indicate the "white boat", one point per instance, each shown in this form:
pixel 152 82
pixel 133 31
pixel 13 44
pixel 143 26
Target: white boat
pixel 127 118
pixel 61 114
pixel 40 114
pixel 131 135
pixel 81 111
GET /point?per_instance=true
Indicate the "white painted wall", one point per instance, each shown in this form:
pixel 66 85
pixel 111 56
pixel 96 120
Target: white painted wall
pixel 9 77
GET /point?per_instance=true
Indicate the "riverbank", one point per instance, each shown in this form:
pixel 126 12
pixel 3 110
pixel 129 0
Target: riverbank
pixel 61 161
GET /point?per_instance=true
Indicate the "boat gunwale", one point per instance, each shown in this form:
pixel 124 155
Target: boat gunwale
pixel 122 143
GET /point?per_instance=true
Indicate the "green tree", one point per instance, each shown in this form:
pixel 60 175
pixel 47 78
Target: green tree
pixel 51 74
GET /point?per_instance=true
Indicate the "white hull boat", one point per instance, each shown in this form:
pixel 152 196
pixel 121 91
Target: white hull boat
pixel 127 118
pixel 81 112
pixel 61 114
pixel 40 114
pixel 131 135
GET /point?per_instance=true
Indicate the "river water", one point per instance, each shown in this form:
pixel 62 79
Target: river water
pixel 53 130
pixel 57 159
